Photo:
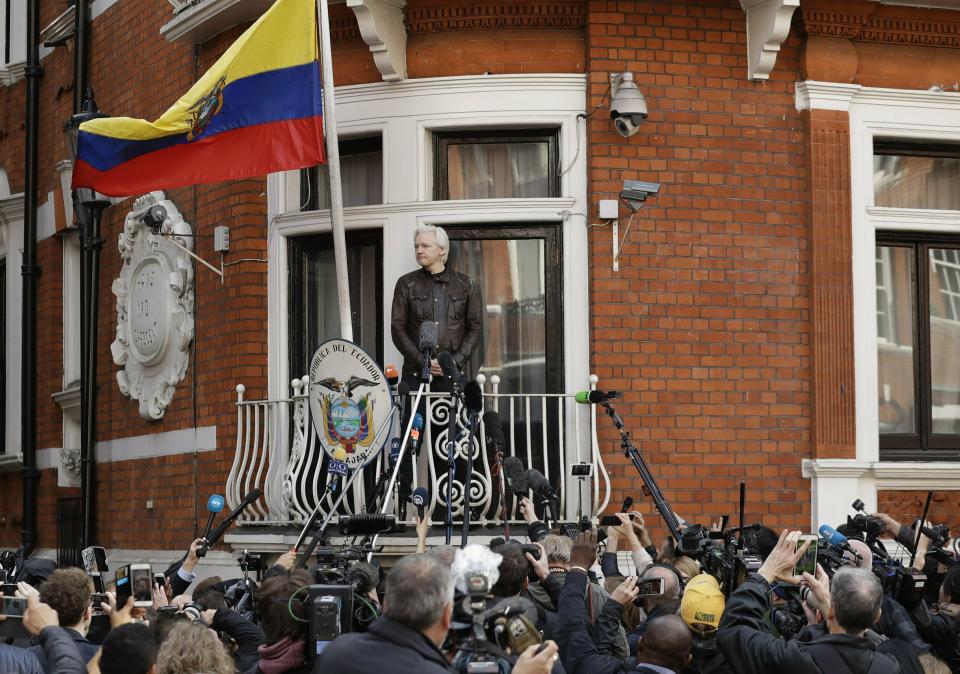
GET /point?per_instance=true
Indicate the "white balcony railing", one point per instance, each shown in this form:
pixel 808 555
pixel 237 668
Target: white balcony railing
pixel 548 432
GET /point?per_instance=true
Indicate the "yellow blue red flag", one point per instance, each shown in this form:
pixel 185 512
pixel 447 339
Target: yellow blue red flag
pixel 257 110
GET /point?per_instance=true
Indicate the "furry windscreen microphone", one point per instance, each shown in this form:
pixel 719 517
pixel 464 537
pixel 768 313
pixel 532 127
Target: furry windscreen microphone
pixel 429 333
pixel 513 472
pixel 538 482
pixel 449 366
pixel 472 397
pixel 494 431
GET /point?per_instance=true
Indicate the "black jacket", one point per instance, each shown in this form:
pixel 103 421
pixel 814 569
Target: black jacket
pixel 59 650
pixel 248 636
pixel 452 300
pixel 578 652
pixel 386 646
pixel 942 632
pixel 86 648
pixel 749 649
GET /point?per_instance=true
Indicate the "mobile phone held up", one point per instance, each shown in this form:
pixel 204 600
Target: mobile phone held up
pixel 610 521
pixel 807 563
pixel 13 607
pixel 650 587
pixel 135 580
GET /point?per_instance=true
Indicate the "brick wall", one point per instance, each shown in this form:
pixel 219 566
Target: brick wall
pixel 706 324
pixel 906 506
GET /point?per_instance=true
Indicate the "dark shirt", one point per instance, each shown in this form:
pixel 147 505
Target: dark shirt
pixel 86 648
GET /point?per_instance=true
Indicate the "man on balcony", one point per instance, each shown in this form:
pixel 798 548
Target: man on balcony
pixel 450 299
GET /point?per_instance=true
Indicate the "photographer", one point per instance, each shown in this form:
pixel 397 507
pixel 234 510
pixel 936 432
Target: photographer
pixel 193 649
pixel 128 649
pixel 941 626
pixel 67 591
pixel 282 617
pixel 851 603
pixel 56 643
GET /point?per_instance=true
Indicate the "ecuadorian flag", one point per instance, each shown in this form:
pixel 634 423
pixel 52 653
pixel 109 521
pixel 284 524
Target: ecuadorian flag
pixel 257 110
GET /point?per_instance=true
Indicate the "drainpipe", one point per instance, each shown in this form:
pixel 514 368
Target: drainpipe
pixel 30 271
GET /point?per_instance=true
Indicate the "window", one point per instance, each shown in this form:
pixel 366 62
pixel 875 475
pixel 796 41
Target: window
pixel 510 164
pixel 314 306
pixel 919 338
pixel 3 355
pixel 519 271
pixel 911 175
pixel 361 176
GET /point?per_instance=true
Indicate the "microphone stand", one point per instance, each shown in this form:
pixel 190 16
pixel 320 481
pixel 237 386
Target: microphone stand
pixel 474 418
pixel 631 452
pixel 451 456
pixel 315 515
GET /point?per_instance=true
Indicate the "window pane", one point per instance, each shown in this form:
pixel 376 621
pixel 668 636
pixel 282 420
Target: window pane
pixel 895 339
pixel 944 278
pixel 904 181
pixel 361 176
pixel 511 275
pixel 498 170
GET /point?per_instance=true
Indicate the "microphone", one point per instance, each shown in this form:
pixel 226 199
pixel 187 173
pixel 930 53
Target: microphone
pixel 419 498
pixel 214 505
pixel 429 334
pixel 494 431
pixel 415 432
pixel 835 539
pixel 333 477
pixel 450 370
pixel 225 524
pixel 627 502
pixel 540 484
pixel 594 397
pixel 472 397
pixel 392 376
pixel 394 450
pixel 516 480
pixel 403 396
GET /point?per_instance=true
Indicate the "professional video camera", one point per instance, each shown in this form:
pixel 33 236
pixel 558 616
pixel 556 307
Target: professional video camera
pixel 720 555
pixel 496 624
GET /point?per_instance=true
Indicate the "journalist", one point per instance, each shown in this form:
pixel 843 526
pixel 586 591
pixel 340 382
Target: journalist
pixel 850 603
pixel 129 649
pixel 67 591
pixel 941 626
pixel 282 621
pixel 59 649
pixel 701 609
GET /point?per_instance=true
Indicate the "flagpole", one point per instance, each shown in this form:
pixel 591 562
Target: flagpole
pixel 333 169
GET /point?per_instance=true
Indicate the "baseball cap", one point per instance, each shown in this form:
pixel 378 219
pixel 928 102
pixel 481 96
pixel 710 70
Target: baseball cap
pixel 702 603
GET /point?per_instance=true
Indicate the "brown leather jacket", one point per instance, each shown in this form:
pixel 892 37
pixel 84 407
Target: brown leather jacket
pixel 452 300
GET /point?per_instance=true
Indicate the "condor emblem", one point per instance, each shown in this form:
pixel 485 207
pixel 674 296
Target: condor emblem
pixel 204 110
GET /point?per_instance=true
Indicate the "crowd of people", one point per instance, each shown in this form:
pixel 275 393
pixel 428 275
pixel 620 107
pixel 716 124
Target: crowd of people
pixel 563 590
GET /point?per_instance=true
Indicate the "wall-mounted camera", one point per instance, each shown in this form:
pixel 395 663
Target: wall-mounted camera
pixel 637 190
pixel 628 107
pixel 582 470
pixel 154 218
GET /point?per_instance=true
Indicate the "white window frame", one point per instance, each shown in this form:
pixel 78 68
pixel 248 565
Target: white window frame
pixel 406 114
pixel 877 113
pixel 11 248
pixel 13 70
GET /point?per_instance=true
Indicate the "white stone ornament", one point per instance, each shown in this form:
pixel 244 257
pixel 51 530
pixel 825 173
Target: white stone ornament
pixel 154 305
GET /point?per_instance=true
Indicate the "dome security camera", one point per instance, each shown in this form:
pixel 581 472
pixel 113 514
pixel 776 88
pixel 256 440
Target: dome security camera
pixel 628 107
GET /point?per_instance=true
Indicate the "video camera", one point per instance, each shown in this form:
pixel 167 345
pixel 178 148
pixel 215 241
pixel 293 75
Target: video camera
pixel 719 555
pixel 496 624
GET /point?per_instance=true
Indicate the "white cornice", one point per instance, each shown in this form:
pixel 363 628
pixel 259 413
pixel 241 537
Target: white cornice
pixel 899 475
pixel 197 22
pixel 11 209
pixel 915 219
pixel 813 95
pixel 453 86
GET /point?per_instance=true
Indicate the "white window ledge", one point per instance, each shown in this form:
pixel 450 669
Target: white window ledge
pixel 10 462
pixel 198 22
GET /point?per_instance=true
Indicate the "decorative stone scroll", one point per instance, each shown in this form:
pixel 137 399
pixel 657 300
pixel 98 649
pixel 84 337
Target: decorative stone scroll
pixel 154 305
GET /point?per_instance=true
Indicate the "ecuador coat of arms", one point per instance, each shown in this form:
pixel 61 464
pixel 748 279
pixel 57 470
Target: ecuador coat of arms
pixel 350 402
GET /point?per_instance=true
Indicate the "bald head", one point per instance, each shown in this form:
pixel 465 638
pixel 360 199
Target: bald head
pixel 671 586
pixel 666 643
pixel 862 549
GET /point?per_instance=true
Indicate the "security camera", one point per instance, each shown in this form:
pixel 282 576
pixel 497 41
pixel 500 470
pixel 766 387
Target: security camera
pixel 636 190
pixel 154 218
pixel 628 107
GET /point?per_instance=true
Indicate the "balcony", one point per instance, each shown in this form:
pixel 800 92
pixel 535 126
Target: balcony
pixel 279 452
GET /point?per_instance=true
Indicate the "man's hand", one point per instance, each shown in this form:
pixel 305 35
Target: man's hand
pixel 39 615
pixel 584 551
pixel 435 368
pixel 26 589
pixel 159 597
pixel 527 510
pixel 191 561
pixel 820 587
pixel 626 529
pixel 122 615
pixel 890 525
pixel 782 561
pixel 541 566
pixel 537 659
pixel 287 559
pixel 626 591
pixel 423 528
pixel 208 615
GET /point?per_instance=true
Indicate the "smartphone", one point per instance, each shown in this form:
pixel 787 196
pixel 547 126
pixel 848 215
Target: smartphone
pixel 97 601
pixel 807 563
pixel 610 521
pixel 581 469
pixel 141 580
pixel 122 581
pixel 14 607
pixel 94 559
pixel 160 580
pixel 8 589
pixel 650 587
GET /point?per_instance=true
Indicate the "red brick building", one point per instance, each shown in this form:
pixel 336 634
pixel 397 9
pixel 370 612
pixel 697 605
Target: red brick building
pixel 781 313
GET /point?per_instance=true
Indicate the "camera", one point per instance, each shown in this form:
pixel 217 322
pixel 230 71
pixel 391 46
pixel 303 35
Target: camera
pixel 14 607
pixel 581 469
pixel 194 611
pixel 628 107
pixel 97 601
pixel 154 218
pixel 637 190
